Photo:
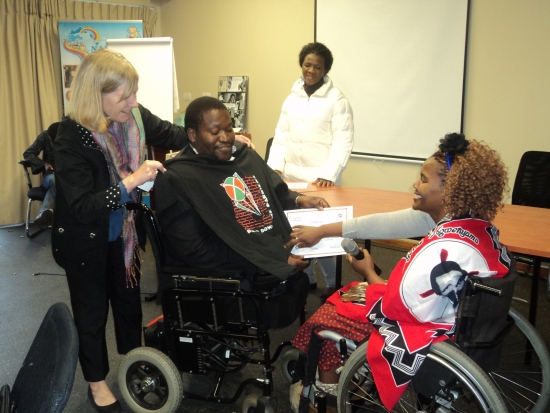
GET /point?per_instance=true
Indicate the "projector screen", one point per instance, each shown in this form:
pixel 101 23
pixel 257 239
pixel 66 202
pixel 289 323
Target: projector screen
pixel 401 64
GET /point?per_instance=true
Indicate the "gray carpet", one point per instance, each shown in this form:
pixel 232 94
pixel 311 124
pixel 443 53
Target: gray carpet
pixel 30 282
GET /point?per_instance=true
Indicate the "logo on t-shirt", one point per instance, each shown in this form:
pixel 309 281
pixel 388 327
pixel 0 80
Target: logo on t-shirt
pixel 250 204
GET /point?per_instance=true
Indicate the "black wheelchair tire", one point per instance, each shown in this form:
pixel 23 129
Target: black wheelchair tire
pixel 150 369
pixel 473 378
pixel 524 387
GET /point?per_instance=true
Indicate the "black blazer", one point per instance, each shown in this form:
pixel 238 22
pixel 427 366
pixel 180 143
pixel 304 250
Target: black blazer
pixel 85 196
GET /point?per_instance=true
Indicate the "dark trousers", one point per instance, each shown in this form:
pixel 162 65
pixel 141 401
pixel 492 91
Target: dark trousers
pixel 90 297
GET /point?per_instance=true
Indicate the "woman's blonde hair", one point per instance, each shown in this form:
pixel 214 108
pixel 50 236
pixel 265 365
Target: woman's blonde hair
pixel 476 182
pixel 102 71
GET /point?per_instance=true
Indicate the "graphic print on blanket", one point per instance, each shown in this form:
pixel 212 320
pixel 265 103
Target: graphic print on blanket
pixel 404 364
pixel 418 305
pixel 250 205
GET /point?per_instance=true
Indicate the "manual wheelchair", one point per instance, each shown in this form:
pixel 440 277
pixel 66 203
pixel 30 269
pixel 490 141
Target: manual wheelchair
pixel 496 363
pixel 211 326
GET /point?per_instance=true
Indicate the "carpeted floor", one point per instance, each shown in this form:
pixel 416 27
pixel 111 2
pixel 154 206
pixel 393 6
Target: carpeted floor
pixel 30 282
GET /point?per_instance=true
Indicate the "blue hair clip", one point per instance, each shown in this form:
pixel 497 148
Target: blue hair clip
pixel 448 161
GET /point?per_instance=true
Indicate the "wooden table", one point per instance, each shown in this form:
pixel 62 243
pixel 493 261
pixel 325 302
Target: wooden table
pixel 524 230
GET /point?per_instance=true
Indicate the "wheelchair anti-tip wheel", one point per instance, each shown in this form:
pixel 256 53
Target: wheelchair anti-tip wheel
pixel 289 364
pixel 250 404
pixel 150 382
pixel 468 388
pixel 523 372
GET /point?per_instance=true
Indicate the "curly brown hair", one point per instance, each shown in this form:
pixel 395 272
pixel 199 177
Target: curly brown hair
pixel 476 182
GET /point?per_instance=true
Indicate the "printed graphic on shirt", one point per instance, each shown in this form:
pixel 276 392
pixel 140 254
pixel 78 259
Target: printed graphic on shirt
pixel 434 278
pixel 251 206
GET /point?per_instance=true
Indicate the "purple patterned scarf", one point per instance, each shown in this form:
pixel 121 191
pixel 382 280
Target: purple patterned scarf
pixel 124 151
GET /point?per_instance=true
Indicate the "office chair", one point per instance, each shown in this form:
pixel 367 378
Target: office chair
pixel 45 380
pixel 34 193
pixel 532 185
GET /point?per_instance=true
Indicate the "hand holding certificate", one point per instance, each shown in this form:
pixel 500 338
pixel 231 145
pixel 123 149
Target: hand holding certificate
pixel 314 217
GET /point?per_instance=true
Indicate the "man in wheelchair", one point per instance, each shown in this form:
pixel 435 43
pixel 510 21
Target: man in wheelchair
pixel 461 188
pixel 220 207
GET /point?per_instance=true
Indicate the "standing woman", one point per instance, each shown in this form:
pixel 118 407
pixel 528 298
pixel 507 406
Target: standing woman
pixel 100 161
pixel 314 135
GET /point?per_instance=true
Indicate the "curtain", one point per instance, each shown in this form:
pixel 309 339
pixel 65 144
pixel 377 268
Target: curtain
pixel 30 80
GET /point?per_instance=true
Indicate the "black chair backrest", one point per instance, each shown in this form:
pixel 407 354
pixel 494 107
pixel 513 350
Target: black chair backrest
pixel 532 185
pixel 268 148
pixel 45 381
pixel 483 319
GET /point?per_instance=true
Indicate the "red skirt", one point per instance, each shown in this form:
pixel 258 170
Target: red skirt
pixel 326 318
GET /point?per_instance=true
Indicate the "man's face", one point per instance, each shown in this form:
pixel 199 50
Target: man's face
pixel 215 136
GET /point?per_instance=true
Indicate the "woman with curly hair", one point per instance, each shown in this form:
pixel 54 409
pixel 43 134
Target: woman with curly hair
pixel 460 188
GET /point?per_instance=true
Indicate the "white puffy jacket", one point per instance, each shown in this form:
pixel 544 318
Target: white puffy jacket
pixel 314 135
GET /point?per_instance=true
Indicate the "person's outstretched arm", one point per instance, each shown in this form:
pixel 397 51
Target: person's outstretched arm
pixel 405 223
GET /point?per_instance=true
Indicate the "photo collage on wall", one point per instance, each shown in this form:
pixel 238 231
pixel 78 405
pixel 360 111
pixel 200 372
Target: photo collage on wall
pixel 232 91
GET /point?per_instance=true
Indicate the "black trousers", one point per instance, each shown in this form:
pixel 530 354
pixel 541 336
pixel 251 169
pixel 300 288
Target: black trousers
pixel 90 298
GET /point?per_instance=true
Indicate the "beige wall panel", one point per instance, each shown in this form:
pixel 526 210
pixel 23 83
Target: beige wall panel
pixel 260 39
pixel 507 90
pixel 508 82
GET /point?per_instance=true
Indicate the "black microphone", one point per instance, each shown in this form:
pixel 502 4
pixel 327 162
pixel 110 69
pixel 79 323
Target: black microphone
pixel 350 246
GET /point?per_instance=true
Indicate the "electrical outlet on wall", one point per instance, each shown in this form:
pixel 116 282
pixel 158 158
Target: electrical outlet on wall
pixel 186 96
pixel 206 94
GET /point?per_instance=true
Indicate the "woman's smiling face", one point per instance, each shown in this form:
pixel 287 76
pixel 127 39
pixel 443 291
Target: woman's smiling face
pixel 428 190
pixel 313 69
pixel 115 107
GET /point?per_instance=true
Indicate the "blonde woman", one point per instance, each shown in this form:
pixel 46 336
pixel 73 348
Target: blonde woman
pixel 100 161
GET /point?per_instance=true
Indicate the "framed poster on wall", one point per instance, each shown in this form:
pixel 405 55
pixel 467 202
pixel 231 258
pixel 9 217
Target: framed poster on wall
pixel 232 91
pixel 78 38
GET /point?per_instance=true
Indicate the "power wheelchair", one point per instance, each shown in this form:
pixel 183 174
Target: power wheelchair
pixel 211 326
pixel 496 363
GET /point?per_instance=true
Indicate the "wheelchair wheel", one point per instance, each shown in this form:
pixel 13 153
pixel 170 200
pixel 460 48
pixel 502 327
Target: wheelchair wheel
pixel 523 373
pixel 149 381
pixel 289 364
pixel 468 389
pixel 250 404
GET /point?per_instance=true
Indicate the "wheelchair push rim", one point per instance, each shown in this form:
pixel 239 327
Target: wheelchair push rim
pixel 470 390
pixel 150 382
pixel 523 373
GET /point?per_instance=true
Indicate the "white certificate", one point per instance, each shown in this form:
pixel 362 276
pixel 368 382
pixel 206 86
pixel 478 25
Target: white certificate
pixel 314 218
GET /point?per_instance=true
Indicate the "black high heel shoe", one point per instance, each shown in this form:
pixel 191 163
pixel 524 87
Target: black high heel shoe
pixel 110 408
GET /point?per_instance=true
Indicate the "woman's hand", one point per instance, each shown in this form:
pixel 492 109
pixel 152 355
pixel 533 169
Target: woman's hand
pixel 365 268
pixel 146 172
pixel 305 201
pixel 48 167
pixel 323 182
pixel 298 261
pixel 244 139
pixel 305 236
